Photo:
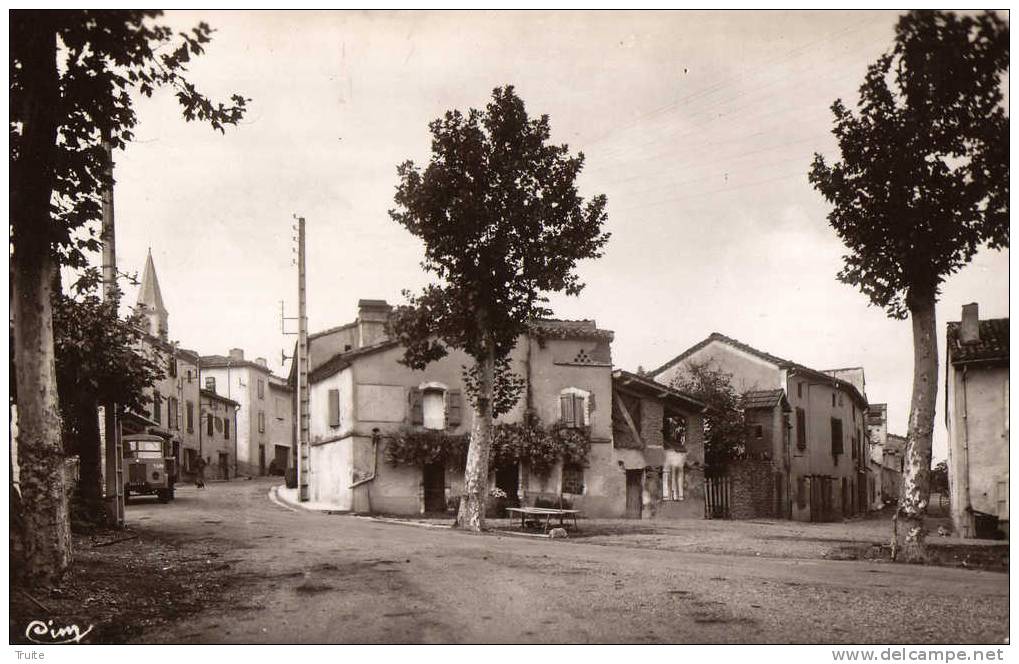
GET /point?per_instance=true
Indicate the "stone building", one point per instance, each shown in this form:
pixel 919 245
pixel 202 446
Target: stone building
pixel 817 458
pixel 247 383
pixel 219 435
pixel 976 414
pixel 362 400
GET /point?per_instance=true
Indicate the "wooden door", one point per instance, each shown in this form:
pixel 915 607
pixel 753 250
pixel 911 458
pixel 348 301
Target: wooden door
pixel 634 500
pixel 435 487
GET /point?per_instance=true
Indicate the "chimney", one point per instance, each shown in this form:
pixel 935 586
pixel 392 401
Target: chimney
pixel 260 361
pixel 969 329
pixel 237 354
pixel 372 316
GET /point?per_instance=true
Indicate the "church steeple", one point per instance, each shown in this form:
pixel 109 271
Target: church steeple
pixel 150 301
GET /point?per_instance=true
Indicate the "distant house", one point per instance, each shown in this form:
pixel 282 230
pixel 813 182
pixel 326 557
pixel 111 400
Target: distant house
pixel 887 452
pixel 219 435
pixel 976 414
pixel 248 383
pixel 817 464
pixel 363 401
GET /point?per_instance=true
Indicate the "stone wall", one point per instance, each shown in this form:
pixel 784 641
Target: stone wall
pixel 753 489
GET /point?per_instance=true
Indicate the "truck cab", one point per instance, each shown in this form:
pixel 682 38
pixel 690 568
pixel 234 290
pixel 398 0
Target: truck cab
pixel 149 467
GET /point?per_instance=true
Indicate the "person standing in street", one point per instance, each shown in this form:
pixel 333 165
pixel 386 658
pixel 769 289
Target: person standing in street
pixel 200 473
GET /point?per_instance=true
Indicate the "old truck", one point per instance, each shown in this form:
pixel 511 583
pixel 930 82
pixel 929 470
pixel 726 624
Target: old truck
pixel 149 467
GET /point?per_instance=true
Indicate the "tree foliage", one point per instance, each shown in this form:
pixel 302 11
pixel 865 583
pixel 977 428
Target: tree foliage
pixel 105 58
pixel 939 478
pixel 923 180
pixel 725 428
pixel 502 225
pixel 98 358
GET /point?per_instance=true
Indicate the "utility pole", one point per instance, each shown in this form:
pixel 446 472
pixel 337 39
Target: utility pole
pixel 114 459
pixel 303 419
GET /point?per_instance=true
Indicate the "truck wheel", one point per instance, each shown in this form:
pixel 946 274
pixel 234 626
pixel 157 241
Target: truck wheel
pixel 127 496
pixel 164 495
pixel 171 492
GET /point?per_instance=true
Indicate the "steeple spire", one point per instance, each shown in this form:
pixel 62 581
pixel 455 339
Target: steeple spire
pixel 150 301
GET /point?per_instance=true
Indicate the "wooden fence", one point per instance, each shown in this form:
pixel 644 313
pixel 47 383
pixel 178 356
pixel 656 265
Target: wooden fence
pixel 717 498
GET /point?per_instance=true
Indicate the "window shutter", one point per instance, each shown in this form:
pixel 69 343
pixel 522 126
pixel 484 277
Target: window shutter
pixel 334 408
pixel 590 402
pixel 455 416
pixel 417 409
pixel 801 428
pixel 836 436
pixel 579 411
pixel 208 424
pixel 566 416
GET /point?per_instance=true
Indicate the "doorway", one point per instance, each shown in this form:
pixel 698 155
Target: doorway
pixel 224 466
pixel 634 490
pixel 434 481
pixel 507 478
pixel 261 459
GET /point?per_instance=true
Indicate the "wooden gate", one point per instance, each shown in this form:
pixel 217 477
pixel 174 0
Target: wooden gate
pixel 717 498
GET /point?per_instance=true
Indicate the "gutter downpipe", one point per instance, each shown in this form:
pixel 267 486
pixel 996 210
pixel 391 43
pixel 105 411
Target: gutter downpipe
pixel 967 504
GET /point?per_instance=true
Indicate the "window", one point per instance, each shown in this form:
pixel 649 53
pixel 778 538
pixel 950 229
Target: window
pixel 758 431
pixel 261 388
pixel 261 422
pixel 836 436
pixel 281 408
pixel 801 429
pixel 157 407
pixel 434 409
pixel 210 383
pixel 190 376
pixel 208 425
pixel 832 399
pixel 855 443
pixel 190 416
pixel 799 390
pixel 172 416
pixel 171 367
pixel 573 478
pixel 574 405
pixel 334 408
pixel 226 428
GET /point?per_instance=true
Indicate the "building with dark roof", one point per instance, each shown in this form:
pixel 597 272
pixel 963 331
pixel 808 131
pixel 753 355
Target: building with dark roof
pixel 364 404
pixel 976 414
pixel 808 424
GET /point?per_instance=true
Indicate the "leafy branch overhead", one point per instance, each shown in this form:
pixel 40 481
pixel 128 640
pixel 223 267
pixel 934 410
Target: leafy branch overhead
pixel 105 57
pixel 923 180
pixel 502 224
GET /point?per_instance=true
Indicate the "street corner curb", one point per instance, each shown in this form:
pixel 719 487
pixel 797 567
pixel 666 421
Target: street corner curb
pixel 275 499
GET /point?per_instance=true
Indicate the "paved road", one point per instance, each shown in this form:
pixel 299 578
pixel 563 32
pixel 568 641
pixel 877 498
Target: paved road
pixel 317 578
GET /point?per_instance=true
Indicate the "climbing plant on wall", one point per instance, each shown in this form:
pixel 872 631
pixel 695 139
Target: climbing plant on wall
pixel 419 448
pixel 538 446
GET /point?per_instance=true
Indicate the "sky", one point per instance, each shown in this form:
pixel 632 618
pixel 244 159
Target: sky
pixel 699 127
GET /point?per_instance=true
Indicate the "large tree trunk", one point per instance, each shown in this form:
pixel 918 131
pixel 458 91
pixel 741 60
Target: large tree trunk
pixel 46 536
pixel 472 507
pixel 90 478
pixel 917 459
